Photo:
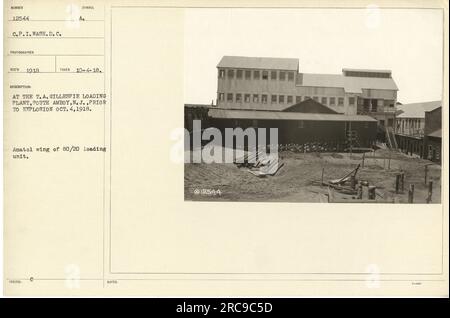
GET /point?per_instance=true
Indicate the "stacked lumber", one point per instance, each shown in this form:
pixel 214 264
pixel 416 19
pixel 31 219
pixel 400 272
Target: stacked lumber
pixel 259 163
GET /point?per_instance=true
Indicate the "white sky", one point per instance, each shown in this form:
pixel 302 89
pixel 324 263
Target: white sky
pixel 406 41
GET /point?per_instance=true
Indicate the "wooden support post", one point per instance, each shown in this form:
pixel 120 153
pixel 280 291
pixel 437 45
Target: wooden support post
pixel 430 191
pixel 322 175
pixel 351 138
pixel 397 183
pixel 371 193
pixel 389 161
pixel 402 181
pixel 411 193
pixel 330 194
pixel 364 156
pixel 352 181
pixel 426 174
pixel 359 191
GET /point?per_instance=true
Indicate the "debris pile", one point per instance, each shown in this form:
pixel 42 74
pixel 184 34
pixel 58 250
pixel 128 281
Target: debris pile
pixel 259 163
pixel 311 147
pixel 341 184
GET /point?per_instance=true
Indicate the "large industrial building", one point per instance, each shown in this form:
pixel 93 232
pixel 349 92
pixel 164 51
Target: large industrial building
pixel 273 84
pixel 355 108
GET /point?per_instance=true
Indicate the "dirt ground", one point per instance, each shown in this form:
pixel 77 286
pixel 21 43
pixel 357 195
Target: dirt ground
pixel 296 180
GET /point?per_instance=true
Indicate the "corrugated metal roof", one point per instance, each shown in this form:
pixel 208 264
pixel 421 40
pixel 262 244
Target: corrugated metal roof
pixel 436 133
pixel 417 110
pixel 356 84
pixel 351 84
pixel 274 115
pixel 268 63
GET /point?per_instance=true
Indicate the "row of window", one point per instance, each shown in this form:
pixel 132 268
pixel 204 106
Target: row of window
pixel 256 74
pixel 281 99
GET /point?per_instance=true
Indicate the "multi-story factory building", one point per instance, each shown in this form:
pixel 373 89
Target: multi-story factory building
pixel 259 83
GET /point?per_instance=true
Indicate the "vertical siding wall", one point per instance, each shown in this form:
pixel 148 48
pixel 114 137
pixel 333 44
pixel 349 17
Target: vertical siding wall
pixel 292 131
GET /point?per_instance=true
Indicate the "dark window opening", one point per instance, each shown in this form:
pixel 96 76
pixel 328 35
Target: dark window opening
pixel 290 76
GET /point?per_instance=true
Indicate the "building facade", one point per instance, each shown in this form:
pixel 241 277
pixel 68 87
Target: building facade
pixel 417 129
pixel 433 135
pixel 308 125
pixel 410 119
pixel 273 84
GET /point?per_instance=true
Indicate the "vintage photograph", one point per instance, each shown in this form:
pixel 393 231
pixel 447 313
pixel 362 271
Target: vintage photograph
pixel 313 105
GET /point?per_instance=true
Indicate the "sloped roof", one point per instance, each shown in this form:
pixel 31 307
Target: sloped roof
pixel 365 70
pixel 436 133
pixel 198 105
pixel 259 106
pixel 267 63
pixel 269 115
pixel 350 84
pixel 310 106
pixel 416 110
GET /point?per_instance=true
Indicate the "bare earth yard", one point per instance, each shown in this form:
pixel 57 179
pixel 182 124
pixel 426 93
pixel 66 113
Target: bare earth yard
pixel 296 180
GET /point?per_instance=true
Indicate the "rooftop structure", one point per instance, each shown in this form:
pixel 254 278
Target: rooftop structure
pixel 274 84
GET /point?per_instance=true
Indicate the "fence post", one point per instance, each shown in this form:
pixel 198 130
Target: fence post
pixel 389 161
pixel 364 156
pixel 411 193
pixel 430 191
pixel 426 174
pixel 359 191
pixel 397 183
pixel 402 181
pixel 371 192
pixel 352 181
